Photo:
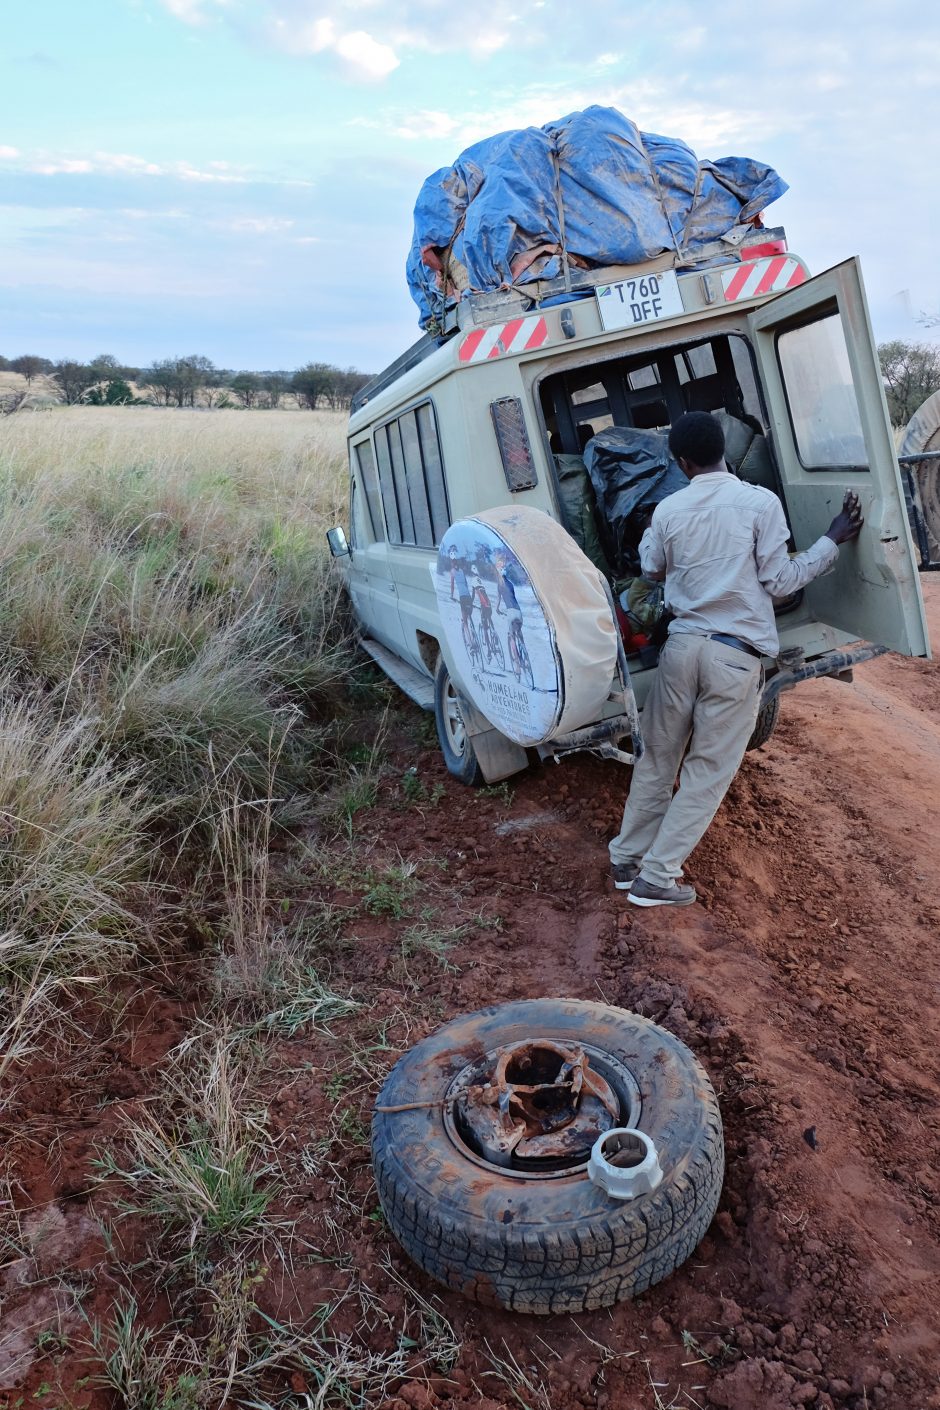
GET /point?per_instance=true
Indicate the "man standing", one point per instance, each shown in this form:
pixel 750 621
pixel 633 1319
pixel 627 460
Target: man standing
pixel 721 547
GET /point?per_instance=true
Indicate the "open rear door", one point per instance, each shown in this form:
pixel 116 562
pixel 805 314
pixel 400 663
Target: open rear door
pixel 826 401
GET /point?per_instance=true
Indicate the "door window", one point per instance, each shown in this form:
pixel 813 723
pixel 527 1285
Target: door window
pixel 370 483
pixel 824 412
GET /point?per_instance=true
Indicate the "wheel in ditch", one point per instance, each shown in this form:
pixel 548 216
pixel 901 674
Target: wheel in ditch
pixel 452 732
pixel 766 723
pixel 537 1235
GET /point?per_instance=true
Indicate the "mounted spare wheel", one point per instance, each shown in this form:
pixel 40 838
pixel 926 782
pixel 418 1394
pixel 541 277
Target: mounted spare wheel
pixel 528 633
pixel 922 433
pixel 550 1155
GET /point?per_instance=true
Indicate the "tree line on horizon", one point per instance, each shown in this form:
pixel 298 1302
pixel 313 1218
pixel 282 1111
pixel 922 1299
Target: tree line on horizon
pixel 911 372
pixel 183 382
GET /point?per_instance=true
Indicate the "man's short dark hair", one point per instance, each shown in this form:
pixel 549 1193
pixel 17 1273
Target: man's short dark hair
pixel 698 438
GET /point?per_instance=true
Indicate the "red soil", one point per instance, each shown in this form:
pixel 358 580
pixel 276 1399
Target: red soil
pixel 806 980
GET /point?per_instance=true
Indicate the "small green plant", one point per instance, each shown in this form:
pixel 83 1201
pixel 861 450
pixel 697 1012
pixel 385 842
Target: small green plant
pixel 359 792
pixel 351 1129
pixel 143 1374
pixel 390 892
pixel 414 790
pixel 51 1342
pixel 208 1174
pixel 339 1082
pixel 424 938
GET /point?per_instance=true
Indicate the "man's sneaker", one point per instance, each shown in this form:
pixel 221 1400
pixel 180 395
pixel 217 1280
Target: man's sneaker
pixel 623 877
pixel 644 893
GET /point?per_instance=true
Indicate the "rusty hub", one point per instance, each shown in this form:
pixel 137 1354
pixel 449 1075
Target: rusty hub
pixel 535 1103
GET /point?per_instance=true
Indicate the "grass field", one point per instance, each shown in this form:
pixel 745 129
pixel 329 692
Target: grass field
pixel 174 652
pixel 174 710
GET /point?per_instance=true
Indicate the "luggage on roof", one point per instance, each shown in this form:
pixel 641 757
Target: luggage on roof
pixel 591 187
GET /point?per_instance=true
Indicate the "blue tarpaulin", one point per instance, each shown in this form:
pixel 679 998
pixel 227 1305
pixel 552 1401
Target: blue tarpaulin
pixel 591 182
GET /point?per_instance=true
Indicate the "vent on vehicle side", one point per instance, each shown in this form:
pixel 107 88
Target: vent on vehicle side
pixel 514 449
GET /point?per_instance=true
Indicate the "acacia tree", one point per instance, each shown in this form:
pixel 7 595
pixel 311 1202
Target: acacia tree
pixel 346 384
pixel 246 386
pixel 911 372
pixel 161 378
pixel 312 382
pixel 274 385
pixel 29 366
pixel 74 379
pixel 176 380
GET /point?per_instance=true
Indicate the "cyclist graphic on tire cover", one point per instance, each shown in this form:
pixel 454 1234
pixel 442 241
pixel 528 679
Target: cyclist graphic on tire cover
pixel 480 597
pixel 458 580
pixel 507 595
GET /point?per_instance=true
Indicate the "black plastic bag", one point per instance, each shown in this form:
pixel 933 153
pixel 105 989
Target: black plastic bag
pixel 631 471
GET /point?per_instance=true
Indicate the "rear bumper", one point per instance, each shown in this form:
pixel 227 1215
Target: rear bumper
pixel 599 739
pixel 603 738
pixel 834 663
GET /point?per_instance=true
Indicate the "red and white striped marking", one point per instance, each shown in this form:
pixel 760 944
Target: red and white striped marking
pixel 501 339
pixel 762 276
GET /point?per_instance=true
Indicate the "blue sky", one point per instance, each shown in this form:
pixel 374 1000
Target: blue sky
pixel 236 177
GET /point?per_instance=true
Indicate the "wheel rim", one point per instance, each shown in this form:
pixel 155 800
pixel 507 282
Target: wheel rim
pixel 617 1075
pixel 454 726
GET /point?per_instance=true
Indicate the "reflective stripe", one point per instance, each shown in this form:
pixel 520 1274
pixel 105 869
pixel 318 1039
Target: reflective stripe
pixel 503 339
pixel 762 276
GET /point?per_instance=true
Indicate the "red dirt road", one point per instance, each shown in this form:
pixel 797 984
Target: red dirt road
pixel 807 981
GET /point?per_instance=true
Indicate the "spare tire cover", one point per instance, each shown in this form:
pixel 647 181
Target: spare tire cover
pixel 533 577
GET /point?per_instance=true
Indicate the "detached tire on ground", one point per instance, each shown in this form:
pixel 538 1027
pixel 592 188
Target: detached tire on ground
pixel 452 732
pixel 545 1238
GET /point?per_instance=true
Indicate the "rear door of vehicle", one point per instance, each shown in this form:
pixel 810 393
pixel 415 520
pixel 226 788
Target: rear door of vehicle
pixel 825 397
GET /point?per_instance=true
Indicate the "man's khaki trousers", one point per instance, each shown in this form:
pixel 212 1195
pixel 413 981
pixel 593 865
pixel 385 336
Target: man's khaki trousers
pixel 706 696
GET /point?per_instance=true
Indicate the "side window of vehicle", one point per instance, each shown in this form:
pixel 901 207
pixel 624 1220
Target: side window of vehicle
pixel 411 478
pixel 827 426
pixel 387 486
pixel 374 521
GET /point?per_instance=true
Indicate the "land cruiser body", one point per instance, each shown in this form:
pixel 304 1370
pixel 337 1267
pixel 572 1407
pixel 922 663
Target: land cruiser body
pixel 486 413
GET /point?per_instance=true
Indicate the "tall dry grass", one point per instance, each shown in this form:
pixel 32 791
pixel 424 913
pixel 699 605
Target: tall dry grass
pixel 172 636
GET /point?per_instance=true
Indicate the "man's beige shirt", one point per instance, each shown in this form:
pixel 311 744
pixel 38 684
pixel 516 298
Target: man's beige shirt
pixel 721 546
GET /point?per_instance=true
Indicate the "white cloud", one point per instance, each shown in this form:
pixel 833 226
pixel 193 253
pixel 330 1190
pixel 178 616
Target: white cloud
pixel 261 225
pixel 709 128
pixel 194 12
pixel 44 163
pixel 362 55
pixel 365 56
pixel 424 126
pixel 61 166
pixel 387 30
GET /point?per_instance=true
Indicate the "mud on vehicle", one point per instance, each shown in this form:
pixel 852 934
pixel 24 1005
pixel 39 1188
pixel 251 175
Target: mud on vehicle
pixel 493 413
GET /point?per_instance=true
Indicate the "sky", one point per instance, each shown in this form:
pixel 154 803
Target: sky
pixel 237 177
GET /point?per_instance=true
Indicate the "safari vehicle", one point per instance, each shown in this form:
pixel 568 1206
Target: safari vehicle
pixel 487 412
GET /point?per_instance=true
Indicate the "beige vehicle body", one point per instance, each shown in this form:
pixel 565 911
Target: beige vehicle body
pixel 463 423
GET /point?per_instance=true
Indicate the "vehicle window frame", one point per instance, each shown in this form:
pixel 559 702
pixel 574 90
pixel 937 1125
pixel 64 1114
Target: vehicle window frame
pixel 358 475
pixel 654 352
pixel 830 309
pixel 432 504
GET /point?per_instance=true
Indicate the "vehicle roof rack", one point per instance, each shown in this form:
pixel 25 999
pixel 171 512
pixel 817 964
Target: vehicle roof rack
pixel 475 310
pixel 418 351
pixel 493 305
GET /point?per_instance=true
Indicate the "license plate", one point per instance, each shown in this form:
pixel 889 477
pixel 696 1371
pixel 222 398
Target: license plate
pixel 645 299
